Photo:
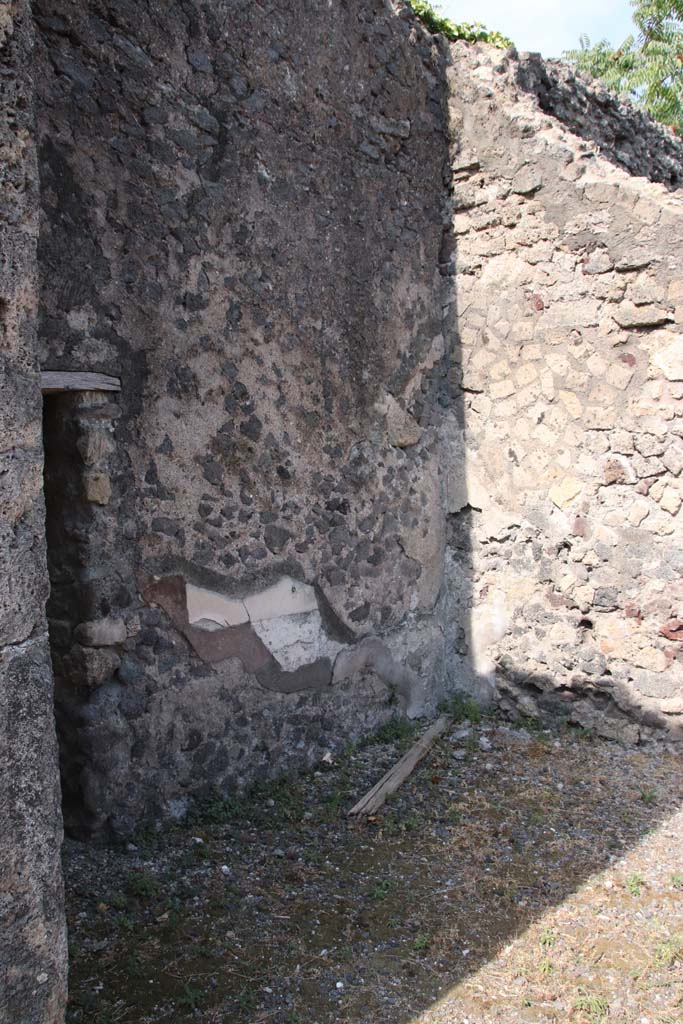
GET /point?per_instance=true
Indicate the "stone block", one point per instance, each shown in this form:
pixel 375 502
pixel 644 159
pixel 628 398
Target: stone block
pixel 566 491
pixel 669 360
pixel 97 488
pixel 103 633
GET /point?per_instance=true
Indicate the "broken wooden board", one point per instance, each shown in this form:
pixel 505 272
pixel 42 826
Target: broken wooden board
pixel 389 783
pixel 54 381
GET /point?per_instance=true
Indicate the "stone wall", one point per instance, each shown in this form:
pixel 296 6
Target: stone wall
pixel 32 939
pixel 242 218
pixel 619 132
pixel 569 290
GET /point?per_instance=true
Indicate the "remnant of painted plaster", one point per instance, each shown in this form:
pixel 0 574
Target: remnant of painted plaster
pixel 371 654
pixel 206 606
pixel 286 597
pixel 296 640
pixel 285 616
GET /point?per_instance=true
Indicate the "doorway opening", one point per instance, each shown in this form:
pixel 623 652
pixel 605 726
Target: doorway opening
pixel 78 447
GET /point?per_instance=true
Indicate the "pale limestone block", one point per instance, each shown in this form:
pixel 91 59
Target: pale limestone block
pixel 480 359
pixel 615 517
pixel 597 365
pixel 532 352
pixel 675 292
pixel 584 463
pixel 619 375
pixel 469 336
pixel 476 318
pixel 95 445
pixel 528 395
pixel 638 513
pixel 605 535
pixel 97 488
pixel 663 524
pixel 546 436
pixel 571 403
pixel 501 389
pixel 102 633
pixel 561 633
pixel 565 492
pixel 402 430
pixel 621 441
pixel 576 380
pixel 673 458
pixel 650 658
pixel 506 408
pixel 577 314
pixel 522 428
pixel 649 409
pixel 548 384
pixel 522 330
pixel 598 262
pixel 558 363
pixel 207 606
pixel 670 500
pixel 584 596
pixel 536 462
pixel 600 288
pixel 480 405
pixel 646 290
pixel 647 211
pixel 426 542
pixel 669 360
pixel 473 379
pixel 526 374
pixel 501 329
pixel 601 192
pixel 500 371
pixel 599 417
pixel 628 315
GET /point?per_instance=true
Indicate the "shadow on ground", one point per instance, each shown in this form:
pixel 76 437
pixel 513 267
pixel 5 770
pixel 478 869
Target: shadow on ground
pixel 277 908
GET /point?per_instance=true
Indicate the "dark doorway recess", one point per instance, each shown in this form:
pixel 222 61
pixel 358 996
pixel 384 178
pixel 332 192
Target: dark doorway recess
pixel 68 523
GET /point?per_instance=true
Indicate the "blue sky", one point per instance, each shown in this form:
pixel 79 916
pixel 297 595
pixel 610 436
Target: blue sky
pixel 547 26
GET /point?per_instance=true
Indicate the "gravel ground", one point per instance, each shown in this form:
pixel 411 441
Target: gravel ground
pixel 517 876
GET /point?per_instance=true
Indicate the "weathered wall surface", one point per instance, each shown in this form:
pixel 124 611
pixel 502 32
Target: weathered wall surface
pixel 242 218
pixel 32 939
pixel 569 288
pixel 619 132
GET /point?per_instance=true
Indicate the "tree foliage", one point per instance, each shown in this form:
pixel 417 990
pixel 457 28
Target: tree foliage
pixel 471 32
pixel 648 66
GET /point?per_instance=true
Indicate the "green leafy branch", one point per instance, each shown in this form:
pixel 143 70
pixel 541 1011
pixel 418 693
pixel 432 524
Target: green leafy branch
pixel 473 32
pixel 648 66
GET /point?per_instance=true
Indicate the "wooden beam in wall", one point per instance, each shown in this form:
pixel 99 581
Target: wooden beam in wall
pixel 53 381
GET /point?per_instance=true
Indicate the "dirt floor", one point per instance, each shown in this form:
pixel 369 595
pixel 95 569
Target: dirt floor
pixel 518 876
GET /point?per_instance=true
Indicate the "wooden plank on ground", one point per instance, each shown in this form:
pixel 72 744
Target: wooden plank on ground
pixel 390 782
pixel 54 381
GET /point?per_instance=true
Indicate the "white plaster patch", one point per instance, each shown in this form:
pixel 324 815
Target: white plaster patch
pixel 286 597
pixel 490 623
pixel 296 640
pixel 209 610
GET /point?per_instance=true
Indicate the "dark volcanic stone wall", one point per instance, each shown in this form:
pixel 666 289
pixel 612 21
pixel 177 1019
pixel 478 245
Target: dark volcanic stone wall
pixel 624 135
pixel 32 939
pixel 242 219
